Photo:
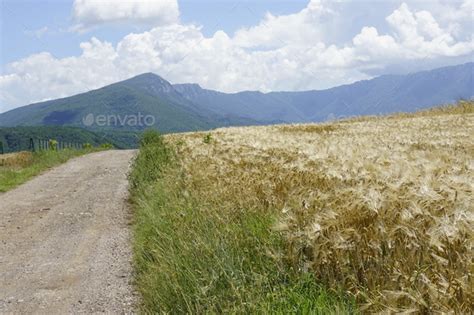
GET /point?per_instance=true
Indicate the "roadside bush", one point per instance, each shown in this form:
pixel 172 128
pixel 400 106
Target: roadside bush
pixel 53 145
pixel 154 155
pixel 107 146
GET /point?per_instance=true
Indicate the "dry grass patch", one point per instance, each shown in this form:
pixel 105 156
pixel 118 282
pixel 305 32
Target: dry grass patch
pixel 311 128
pixel 383 207
pixel 20 159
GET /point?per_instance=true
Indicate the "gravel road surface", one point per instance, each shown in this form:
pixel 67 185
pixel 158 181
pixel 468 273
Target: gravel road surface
pixel 65 240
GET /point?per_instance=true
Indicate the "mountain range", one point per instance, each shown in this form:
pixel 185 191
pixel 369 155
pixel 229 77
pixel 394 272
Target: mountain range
pixel 188 107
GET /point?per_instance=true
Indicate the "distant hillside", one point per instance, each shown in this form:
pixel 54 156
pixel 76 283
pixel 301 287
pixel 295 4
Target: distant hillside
pixel 385 94
pixel 17 138
pixel 122 105
pixel 188 107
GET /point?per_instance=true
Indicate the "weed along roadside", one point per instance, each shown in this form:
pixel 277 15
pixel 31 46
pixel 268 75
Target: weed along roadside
pixel 17 168
pixel 192 254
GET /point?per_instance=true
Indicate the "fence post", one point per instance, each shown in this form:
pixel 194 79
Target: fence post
pixel 32 145
pixel 1 147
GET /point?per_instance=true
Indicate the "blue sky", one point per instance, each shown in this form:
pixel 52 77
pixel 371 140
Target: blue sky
pixel 56 48
pixel 20 19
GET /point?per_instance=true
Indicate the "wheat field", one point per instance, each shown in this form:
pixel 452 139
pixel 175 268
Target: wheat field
pixel 379 207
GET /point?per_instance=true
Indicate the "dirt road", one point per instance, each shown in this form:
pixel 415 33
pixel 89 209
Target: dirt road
pixel 65 239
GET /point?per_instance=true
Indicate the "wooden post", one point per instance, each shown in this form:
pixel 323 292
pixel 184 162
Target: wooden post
pixel 32 145
pixel 1 147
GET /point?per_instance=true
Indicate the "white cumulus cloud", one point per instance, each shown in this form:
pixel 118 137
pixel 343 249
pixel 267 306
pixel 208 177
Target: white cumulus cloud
pixel 90 13
pixel 420 34
pixel 305 28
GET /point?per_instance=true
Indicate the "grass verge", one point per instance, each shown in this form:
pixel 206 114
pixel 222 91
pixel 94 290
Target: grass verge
pixel 191 257
pixel 17 168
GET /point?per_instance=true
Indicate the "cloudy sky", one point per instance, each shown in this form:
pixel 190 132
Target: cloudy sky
pixel 51 49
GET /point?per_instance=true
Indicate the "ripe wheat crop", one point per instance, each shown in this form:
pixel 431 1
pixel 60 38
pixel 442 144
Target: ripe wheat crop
pixel 381 208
